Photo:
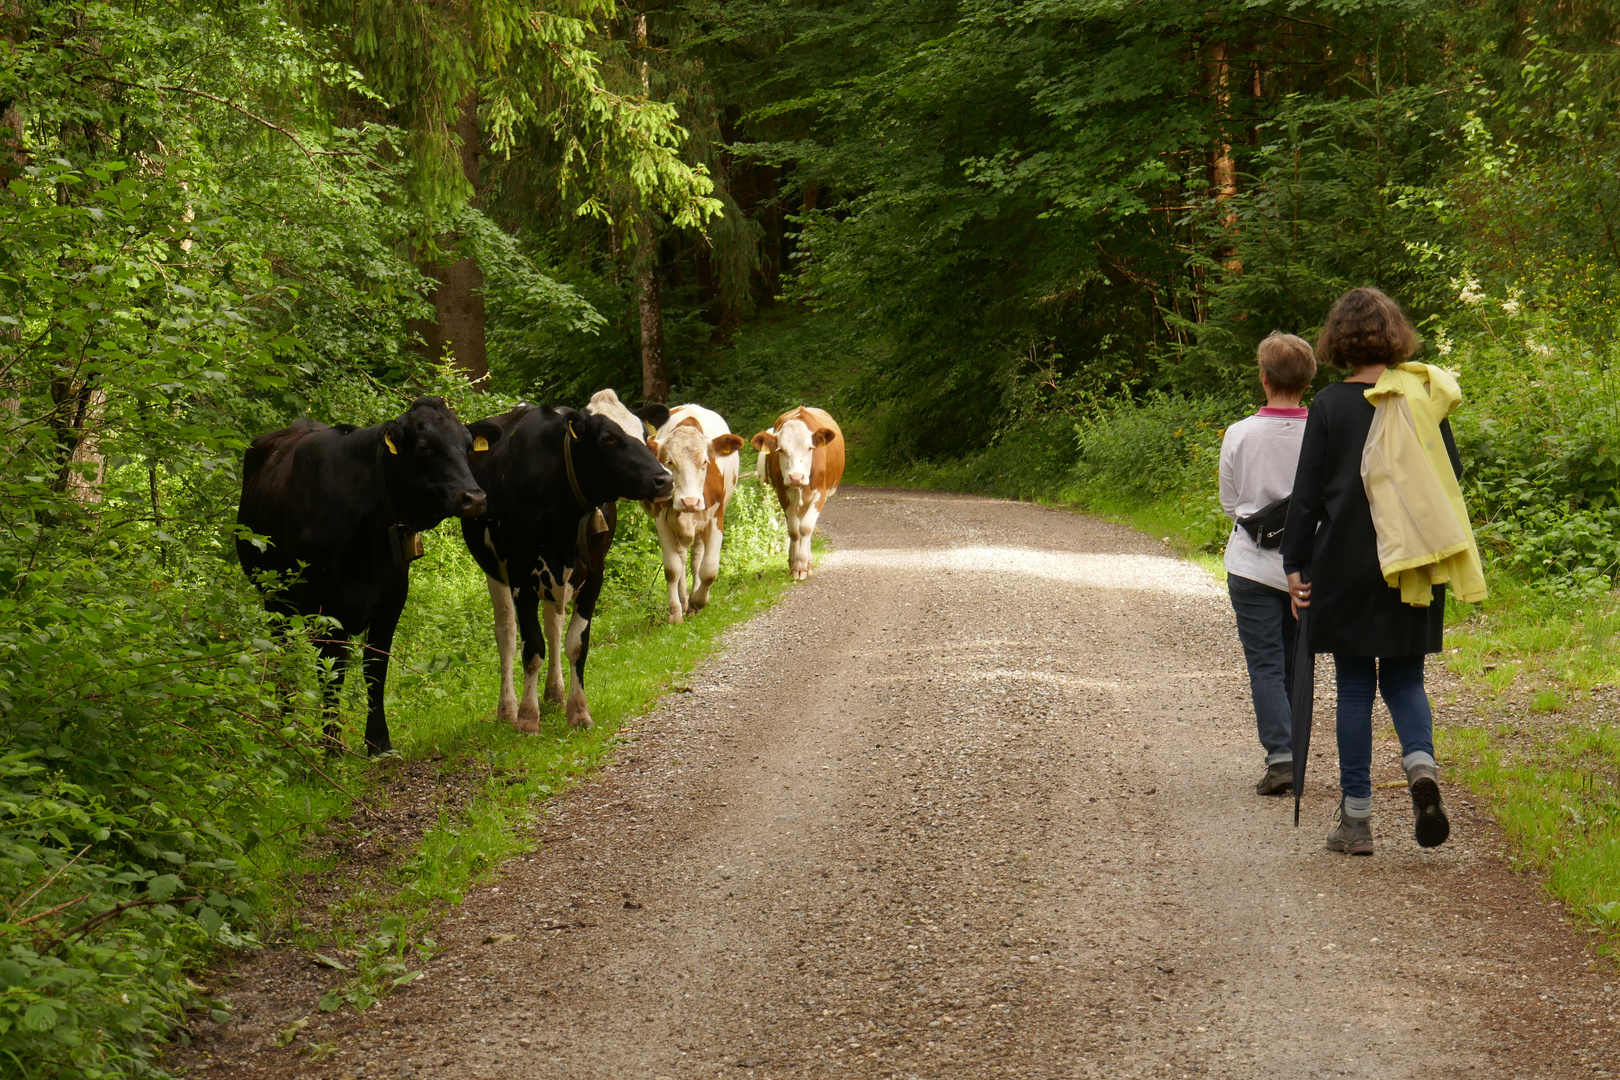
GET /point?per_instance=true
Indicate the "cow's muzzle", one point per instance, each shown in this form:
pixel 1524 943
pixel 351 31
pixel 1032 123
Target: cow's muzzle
pixel 690 505
pixel 663 487
pixel 797 479
pixel 471 503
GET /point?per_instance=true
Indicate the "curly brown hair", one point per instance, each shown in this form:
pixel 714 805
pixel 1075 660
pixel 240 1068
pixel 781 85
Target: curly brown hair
pixel 1365 327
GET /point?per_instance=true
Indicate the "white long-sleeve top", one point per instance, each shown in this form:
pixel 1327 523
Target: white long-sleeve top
pixel 1258 457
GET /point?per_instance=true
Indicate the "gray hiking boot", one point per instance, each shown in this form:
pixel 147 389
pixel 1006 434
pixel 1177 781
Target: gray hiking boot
pixel 1353 836
pixel 1431 826
pixel 1279 779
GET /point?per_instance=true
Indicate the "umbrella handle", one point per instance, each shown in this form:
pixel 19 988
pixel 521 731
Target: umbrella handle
pixel 1303 662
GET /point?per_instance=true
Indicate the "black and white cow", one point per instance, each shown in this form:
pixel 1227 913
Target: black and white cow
pixel 553 477
pixel 340 508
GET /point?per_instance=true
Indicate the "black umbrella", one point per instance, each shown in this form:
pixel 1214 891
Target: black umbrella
pixel 1301 699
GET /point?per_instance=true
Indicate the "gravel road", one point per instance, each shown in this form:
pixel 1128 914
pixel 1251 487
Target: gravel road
pixel 977 801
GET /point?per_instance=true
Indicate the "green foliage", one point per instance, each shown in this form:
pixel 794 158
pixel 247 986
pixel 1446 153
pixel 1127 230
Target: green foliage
pixel 196 247
pixel 1162 446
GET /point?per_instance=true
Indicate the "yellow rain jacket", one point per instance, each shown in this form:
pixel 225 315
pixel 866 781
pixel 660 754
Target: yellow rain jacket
pixel 1424 536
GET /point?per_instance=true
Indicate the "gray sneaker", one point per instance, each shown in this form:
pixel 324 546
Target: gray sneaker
pixel 1353 836
pixel 1431 826
pixel 1279 778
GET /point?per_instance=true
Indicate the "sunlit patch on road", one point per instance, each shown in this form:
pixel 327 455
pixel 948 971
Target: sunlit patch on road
pixel 1135 573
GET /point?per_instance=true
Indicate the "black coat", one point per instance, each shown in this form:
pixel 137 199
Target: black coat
pixel 1330 534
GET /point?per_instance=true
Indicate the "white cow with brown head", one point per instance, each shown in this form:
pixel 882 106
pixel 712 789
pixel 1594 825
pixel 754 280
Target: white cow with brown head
pixel 802 458
pixel 697 447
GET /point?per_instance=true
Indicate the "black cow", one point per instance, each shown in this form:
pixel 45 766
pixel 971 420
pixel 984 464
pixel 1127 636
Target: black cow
pixel 341 507
pixel 553 477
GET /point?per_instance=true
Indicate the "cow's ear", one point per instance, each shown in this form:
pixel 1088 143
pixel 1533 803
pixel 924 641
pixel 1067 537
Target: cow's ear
pixel 823 436
pixel 725 445
pixel 691 421
pixel 656 415
pixel 485 435
pixel 765 440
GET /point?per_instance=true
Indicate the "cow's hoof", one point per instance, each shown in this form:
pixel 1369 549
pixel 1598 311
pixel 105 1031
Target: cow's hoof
pixel 380 753
pixel 527 718
pixel 554 696
pixel 507 712
pixel 675 616
pixel 527 727
pixel 580 721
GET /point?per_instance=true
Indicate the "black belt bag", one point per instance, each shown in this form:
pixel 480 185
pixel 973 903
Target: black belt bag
pixel 1265 525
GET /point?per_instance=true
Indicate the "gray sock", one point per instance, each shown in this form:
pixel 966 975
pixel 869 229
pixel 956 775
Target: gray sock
pixel 1416 758
pixel 1358 807
pixel 1279 757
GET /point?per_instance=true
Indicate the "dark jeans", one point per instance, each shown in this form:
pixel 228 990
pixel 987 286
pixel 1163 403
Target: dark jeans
pixel 1400 680
pixel 1265 625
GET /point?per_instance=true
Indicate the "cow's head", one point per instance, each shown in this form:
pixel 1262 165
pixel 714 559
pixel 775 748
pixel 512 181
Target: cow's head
pixel 690 457
pixel 613 463
pixel 637 423
pixel 425 462
pixel 794 444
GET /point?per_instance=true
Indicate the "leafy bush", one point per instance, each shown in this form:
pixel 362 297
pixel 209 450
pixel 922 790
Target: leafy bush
pixel 1160 446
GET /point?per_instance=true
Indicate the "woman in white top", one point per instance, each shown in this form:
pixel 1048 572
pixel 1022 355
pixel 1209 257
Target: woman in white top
pixel 1258 456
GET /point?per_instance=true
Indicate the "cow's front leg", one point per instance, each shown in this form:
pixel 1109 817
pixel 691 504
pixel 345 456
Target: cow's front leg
pixel 556 619
pixel 807 529
pixel 500 599
pixel 378 648
pixel 674 556
pixel 579 644
pixel 705 564
pixel 792 515
pixel 534 652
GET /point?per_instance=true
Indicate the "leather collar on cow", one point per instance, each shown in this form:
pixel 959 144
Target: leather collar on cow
pixel 568 464
pixel 399 533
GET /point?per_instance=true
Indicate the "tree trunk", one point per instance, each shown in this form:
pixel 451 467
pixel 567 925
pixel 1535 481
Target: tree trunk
pixel 13 159
pixel 1223 172
pixel 80 408
pixel 654 371
pixel 457 328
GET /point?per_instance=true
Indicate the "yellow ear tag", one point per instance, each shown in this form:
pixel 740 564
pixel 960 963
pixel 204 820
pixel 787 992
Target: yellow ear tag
pixel 480 443
pixel 389 439
pixel 652 432
pixel 571 430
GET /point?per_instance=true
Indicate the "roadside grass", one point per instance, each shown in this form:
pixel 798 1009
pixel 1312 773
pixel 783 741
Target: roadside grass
pixel 443 688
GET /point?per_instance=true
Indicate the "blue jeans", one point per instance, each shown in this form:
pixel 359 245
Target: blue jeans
pixel 1400 680
pixel 1265 625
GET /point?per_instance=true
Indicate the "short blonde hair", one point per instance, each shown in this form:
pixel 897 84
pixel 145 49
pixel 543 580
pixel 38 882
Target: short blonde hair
pixel 1288 362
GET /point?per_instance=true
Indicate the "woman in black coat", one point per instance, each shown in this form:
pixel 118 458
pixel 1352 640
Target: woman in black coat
pixel 1330 553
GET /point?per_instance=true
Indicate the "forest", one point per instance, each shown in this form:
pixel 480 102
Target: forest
pixel 1019 247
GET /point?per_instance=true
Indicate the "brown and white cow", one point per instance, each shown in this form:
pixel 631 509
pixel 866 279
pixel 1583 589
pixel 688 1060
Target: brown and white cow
pixel 697 447
pixel 802 457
